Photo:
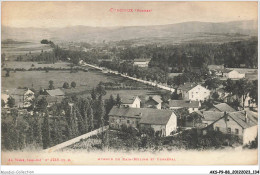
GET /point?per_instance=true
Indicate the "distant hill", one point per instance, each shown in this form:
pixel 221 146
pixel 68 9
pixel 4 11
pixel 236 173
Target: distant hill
pixel 98 34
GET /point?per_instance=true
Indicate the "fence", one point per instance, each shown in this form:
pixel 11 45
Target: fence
pixel 75 140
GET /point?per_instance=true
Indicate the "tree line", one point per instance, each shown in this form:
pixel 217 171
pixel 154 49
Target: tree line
pixel 49 126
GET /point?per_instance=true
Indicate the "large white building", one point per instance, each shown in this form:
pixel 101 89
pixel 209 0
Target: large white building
pixel 141 62
pixel 193 92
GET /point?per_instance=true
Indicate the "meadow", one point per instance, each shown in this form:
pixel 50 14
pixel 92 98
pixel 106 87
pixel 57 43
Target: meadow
pixel 14 49
pixel 28 64
pixel 85 81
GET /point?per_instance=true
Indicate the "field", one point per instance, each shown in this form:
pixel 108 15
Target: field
pixel 14 49
pixel 38 79
pixel 28 65
pixel 85 81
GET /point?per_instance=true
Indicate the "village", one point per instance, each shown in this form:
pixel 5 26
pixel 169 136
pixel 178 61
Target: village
pixel 182 109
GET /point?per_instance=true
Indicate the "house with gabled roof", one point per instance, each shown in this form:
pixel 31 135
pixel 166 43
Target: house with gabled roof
pixel 131 101
pixel 194 92
pixel 188 104
pixel 238 123
pixel 162 121
pixel 154 102
pixel 55 92
pixel 222 107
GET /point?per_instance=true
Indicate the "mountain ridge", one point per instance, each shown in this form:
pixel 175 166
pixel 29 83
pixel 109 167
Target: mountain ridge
pixel 98 34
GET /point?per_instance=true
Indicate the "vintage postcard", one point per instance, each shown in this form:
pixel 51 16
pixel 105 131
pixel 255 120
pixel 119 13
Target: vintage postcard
pixel 129 83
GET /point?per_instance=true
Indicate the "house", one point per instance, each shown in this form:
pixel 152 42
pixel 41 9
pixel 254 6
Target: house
pixel 188 104
pixel 51 100
pixel 232 74
pixel 236 123
pixel 222 107
pixel 154 102
pixel 162 121
pixel 215 67
pixel 55 92
pixel 23 97
pixel 5 97
pixel 141 62
pixel 191 91
pixel 131 101
pixel 208 117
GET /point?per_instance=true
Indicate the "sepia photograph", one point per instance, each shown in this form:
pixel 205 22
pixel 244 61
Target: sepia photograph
pixel 129 83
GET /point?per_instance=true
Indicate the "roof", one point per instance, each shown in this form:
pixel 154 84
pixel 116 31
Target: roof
pixel 141 60
pixel 157 99
pixel 184 104
pixel 214 66
pixel 187 86
pixel 55 92
pixel 240 118
pixel 147 115
pixel 224 107
pixel 226 70
pixel 51 99
pixel 212 115
pixel 128 99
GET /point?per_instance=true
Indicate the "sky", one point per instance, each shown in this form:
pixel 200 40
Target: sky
pixel 105 14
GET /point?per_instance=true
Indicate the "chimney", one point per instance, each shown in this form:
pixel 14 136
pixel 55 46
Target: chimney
pixel 246 117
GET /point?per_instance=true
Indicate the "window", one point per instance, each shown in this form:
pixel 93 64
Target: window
pixel 128 121
pixel 217 128
pixel 229 130
pixel 237 131
pixel 192 96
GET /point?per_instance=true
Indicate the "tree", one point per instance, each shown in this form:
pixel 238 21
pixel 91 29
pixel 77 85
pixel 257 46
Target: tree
pixel 215 96
pixel 229 86
pixel 3 57
pixel 56 131
pixel 91 119
pixel 51 85
pixel 254 92
pixel 66 85
pixel 73 84
pixel 93 94
pixel 212 83
pixel 37 127
pixel 101 89
pixel 100 111
pixel 10 102
pixel 242 89
pixel 7 74
pixel 2 103
pixel 118 100
pixel 46 138
pixel 42 104
pixel 81 122
pixel 44 41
